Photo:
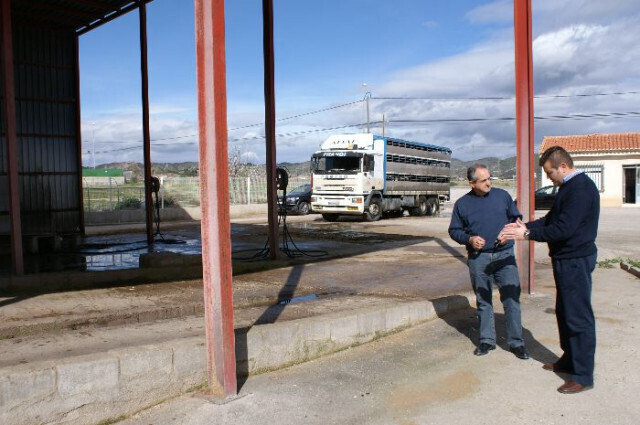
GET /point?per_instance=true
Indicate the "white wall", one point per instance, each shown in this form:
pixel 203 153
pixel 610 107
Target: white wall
pixel 613 175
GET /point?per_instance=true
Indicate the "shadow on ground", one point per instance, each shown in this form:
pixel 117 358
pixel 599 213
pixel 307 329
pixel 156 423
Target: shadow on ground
pixel 465 321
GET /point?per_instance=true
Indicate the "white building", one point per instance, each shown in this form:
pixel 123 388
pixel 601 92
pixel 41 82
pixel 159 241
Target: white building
pixel 611 160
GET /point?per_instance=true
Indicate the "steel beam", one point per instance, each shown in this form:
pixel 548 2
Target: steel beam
pixel 110 17
pixel 76 49
pixel 525 181
pixel 146 133
pixel 214 191
pixel 6 48
pixel 270 126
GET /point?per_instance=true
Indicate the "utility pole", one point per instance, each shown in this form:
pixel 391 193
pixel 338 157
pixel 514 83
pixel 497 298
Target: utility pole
pixel 367 96
pixel 93 144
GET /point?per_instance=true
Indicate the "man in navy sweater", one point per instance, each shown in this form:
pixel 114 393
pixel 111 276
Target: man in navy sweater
pixel 570 228
pixel 477 219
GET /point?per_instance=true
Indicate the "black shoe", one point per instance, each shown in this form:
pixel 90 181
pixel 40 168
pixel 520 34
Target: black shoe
pixel 520 352
pixel 483 349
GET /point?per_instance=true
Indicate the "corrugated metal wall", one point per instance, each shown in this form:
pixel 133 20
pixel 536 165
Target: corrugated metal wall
pixel 45 115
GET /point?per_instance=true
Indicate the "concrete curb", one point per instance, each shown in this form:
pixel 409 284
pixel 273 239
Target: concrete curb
pixel 77 280
pixel 629 268
pixel 106 386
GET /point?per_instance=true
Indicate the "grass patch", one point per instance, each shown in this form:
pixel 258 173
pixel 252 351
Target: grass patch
pixel 609 263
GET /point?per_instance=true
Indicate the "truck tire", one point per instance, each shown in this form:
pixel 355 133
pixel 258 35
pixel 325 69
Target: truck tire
pixel 375 210
pixel 432 206
pixel 421 209
pixel 330 217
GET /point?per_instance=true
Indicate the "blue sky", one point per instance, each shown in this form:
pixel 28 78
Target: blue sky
pixel 324 51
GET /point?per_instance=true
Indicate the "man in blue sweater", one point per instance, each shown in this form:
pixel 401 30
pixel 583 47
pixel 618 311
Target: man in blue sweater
pixel 570 228
pixel 477 219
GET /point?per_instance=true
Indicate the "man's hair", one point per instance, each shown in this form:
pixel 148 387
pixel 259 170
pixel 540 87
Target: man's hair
pixel 556 155
pixel 471 171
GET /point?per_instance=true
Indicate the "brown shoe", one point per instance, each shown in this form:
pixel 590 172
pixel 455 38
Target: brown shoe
pixel 554 368
pixel 573 387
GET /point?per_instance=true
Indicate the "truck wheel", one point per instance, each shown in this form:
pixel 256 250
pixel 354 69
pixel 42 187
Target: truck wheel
pixel 421 209
pixel 432 206
pixel 304 208
pixel 375 211
pixel 330 217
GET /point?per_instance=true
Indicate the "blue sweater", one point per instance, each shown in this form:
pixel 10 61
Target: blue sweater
pixel 484 216
pixel 571 226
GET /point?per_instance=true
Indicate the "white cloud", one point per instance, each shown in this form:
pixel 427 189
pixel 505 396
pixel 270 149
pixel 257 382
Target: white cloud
pixel 579 48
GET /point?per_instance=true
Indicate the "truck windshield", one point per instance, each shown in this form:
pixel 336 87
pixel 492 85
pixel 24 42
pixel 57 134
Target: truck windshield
pixel 336 164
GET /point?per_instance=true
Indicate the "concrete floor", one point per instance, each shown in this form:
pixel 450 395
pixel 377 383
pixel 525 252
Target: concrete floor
pixel 428 375
pixel 423 373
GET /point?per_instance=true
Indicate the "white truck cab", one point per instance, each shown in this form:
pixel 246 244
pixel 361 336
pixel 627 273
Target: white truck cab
pixel 364 174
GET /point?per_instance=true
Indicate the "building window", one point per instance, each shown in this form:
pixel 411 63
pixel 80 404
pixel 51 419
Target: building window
pixel 595 172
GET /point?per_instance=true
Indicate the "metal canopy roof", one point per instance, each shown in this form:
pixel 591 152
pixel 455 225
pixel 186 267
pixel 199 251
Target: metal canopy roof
pixel 80 15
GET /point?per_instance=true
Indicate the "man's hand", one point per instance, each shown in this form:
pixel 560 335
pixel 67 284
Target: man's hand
pixel 477 242
pixel 513 231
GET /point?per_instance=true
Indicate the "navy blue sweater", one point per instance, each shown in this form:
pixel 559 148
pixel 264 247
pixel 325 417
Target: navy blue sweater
pixel 483 216
pixel 571 226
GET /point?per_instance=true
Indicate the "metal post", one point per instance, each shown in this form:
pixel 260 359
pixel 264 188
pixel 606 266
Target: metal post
pixel 6 50
pixel 78 136
pixel 367 96
pixel 248 190
pixel 110 195
pixel 162 192
pixel 214 192
pixel 524 134
pixel 270 126
pixel 148 199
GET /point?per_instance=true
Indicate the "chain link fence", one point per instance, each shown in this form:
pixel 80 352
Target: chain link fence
pixel 175 192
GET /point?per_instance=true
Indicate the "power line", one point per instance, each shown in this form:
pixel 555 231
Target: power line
pixel 505 97
pixel 632 114
pixel 614 115
pixel 301 115
pixel 242 139
pixel 329 108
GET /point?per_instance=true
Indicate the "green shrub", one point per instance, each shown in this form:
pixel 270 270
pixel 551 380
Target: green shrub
pixel 129 203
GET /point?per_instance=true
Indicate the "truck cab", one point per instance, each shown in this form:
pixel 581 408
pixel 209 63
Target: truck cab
pixel 356 174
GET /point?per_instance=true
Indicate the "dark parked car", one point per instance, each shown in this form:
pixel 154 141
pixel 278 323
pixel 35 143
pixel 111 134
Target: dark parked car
pixel 545 196
pixel 298 200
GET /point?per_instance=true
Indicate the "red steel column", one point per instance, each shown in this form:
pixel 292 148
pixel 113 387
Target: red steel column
pixel 270 126
pixel 6 50
pixel 79 135
pixel 525 181
pixel 146 134
pixel 214 191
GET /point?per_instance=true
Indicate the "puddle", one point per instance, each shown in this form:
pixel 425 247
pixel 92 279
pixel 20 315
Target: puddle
pixel 296 300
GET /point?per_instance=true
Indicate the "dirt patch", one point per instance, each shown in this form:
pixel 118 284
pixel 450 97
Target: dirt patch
pixel 418 395
pixel 609 320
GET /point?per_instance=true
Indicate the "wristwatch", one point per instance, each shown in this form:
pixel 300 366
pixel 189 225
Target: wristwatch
pixel 526 234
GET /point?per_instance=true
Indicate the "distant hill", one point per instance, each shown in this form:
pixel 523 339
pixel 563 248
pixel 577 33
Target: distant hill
pixel 501 168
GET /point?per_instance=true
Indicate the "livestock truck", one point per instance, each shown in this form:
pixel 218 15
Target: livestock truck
pixel 368 175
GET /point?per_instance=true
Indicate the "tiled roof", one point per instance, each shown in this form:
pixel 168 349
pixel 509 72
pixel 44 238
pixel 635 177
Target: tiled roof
pixel 594 142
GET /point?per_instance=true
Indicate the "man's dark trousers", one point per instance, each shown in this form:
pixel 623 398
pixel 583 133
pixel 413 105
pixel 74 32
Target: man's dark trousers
pixel 576 323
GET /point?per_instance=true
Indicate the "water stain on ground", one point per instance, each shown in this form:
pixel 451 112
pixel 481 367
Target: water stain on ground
pixel 411 398
pixel 609 320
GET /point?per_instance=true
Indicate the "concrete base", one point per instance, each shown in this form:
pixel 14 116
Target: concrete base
pixel 106 386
